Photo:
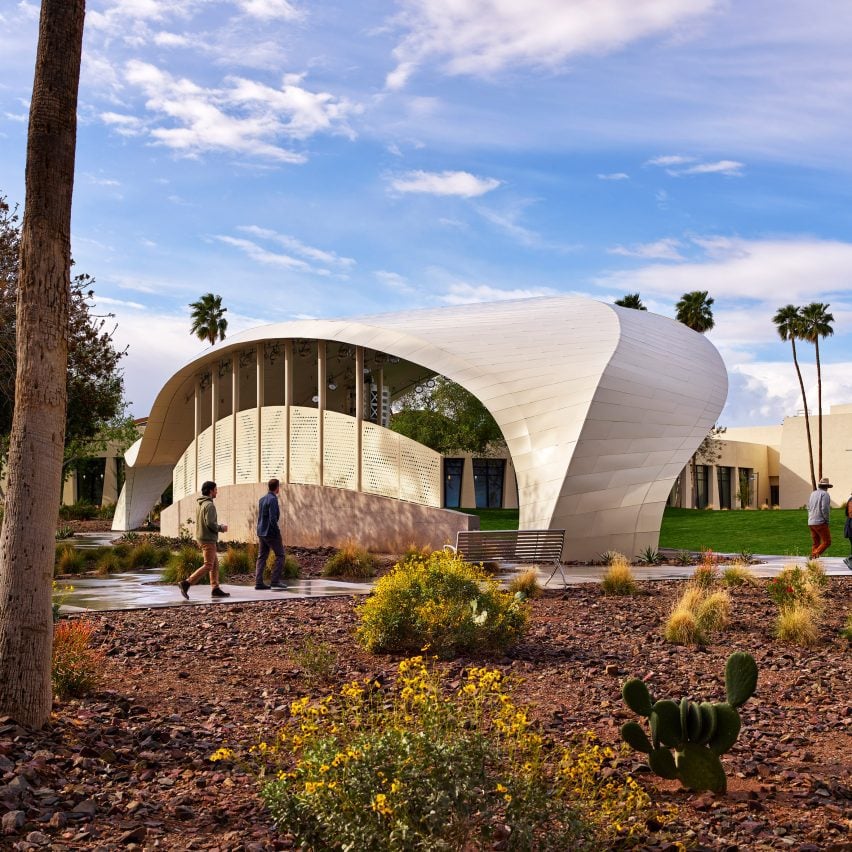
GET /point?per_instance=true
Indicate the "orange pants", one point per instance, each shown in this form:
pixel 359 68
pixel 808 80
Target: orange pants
pixel 821 537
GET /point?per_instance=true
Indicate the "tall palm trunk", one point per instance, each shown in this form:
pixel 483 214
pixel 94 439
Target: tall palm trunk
pixel 807 418
pixel 27 540
pixel 819 408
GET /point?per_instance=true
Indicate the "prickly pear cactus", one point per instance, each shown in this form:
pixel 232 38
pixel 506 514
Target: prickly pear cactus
pixel 697 732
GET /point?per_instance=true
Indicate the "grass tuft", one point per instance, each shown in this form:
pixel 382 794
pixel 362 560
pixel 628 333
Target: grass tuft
pixel 797 624
pixel 526 583
pixel 619 579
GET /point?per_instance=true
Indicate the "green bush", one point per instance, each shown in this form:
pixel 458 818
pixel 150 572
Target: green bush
pixel 79 511
pixel 421 767
pixel 442 603
pixel 145 555
pixel 106 512
pixel 238 561
pixel 109 563
pixel 351 561
pixel 122 550
pixel 183 563
pixel 317 659
pixel 62 531
pixel 290 571
pixel 69 560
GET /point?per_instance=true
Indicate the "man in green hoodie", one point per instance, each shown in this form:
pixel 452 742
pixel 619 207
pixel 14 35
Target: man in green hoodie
pixel 207 529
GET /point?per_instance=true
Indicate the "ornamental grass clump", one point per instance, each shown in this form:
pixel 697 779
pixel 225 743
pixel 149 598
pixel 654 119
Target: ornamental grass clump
pixel 109 563
pixel 798 593
pixel 526 584
pixel 737 574
pixel 697 614
pixel 798 625
pixel 69 560
pixel 418 765
pixel 351 561
pixel 182 563
pixel 76 664
pixel 238 560
pixel 144 555
pixel 442 602
pixel 619 580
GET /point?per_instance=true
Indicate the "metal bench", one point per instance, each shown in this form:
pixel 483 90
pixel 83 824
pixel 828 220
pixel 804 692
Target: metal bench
pixel 536 547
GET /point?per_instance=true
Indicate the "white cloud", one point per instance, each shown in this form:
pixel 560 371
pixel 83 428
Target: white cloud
pixel 270 9
pixel 614 176
pixel 328 258
pixel 776 271
pixel 665 249
pixel 481 37
pixel 166 39
pixel 677 165
pixel 124 125
pixel 462 293
pixel 118 303
pixel 394 281
pixel 463 184
pixel 242 117
pixel 264 256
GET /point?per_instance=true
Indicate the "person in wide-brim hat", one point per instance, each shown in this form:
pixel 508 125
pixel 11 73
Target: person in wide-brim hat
pixel 819 506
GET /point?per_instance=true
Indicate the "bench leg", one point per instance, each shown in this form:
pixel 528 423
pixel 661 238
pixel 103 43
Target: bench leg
pixel 557 567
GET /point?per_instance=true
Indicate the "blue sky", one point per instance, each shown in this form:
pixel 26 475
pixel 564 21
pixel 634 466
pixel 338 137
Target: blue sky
pixel 329 159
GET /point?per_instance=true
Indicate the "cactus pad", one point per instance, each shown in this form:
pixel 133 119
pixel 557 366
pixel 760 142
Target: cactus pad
pixel 662 763
pixel 728 725
pixel 633 734
pixel 665 723
pixel 708 722
pixel 636 696
pixel 740 678
pixel 700 769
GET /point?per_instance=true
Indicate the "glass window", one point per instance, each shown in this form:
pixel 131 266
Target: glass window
pixel 90 480
pixel 453 469
pixel 488 476
pixel 725 475
pixel 702 485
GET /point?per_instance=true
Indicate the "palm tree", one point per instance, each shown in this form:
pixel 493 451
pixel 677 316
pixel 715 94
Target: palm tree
pixel 208 321
pixel 38 423
pixel 816 323
pixel 631 300
pixel 694 310
pixel 788 322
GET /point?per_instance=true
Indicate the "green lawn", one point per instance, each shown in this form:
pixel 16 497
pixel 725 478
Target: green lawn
pixel 775 531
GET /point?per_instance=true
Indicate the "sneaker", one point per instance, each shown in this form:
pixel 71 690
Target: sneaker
pixel 262 587
pixel 278 587
pixel 217 592
pixel 183 585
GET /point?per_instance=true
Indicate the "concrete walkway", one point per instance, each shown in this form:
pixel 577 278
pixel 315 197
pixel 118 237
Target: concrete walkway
pixel 142 589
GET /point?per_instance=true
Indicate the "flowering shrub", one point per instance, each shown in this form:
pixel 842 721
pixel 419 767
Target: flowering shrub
pixel 76 665
pixel 441 602
pixel 413 766
pixel 795 585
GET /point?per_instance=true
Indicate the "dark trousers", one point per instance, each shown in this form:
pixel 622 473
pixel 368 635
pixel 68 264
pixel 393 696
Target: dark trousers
pixel 265 544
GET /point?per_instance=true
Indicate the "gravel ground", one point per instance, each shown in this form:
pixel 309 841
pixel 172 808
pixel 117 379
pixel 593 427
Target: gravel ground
pixel 127 767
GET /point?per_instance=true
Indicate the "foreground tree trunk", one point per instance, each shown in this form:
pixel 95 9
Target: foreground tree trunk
pixel 38 424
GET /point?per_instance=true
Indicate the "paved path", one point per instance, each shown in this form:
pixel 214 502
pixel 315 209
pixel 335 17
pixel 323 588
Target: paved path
pixel 142 590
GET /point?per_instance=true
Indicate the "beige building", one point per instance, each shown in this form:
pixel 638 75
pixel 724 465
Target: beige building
pixel 768 465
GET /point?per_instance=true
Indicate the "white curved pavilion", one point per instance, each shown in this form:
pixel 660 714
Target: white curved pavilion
pixel 600 406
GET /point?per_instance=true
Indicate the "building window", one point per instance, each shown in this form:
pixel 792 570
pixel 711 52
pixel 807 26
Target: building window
pixel 488 475
pixel 702 486
pixel 725 475
pixel 453 469
pixel 746 487
pixel 90 480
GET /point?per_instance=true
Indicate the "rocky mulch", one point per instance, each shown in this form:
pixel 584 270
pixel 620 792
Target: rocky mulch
pixel 128 768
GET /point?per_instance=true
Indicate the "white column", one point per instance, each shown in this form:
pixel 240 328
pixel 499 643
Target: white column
pixel 235 406
pixel 359 412
pixel 259 377
pixel 321 394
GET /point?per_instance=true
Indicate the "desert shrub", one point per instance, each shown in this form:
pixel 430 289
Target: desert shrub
pixel 121 550
pixel 69 560
pixel 62 531
pixel 441 602
pixel 421 766
pixel 145 555
pixel 797 624
pixel 526 584
pixel 182 563
pixel 684 557
pixel 415 552
pixel 238 561
pixel 610 556
pixel 650 556
pixel 816 574
pixel 797 585
pixel 79 511
pixel 109 563
pixel 737 574
pixel 618 579
pixel 290 571
pixel 697 613
pixel 705 575
pixel 746 556
pixel 105 512
pixel 316 658
pixel 76 664
pixel 350 561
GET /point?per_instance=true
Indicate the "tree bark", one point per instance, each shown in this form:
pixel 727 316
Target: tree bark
pixel 27 540
pixel 819 407
pixel 807 417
